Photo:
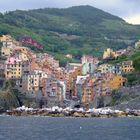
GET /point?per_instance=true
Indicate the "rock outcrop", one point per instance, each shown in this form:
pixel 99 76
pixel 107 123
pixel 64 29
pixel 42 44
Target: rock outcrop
pixel 68 112
pixel 8 101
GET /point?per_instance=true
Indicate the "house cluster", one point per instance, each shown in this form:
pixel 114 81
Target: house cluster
pixel 30 41
pixel 40 74
pixel 118 68
pixel 137 44
pixel 109 53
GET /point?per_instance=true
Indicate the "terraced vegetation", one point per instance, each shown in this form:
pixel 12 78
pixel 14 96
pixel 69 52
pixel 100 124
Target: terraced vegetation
pixel 76 30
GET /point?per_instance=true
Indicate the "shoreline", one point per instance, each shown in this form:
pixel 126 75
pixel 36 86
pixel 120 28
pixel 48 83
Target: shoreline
pixel 68 112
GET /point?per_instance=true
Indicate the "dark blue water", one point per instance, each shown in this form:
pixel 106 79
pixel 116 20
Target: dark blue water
pixel 47 128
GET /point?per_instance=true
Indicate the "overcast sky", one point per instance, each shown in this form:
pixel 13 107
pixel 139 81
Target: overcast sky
pixel 127 9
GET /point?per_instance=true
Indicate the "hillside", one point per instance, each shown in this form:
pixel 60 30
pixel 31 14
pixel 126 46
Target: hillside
pixel 76 30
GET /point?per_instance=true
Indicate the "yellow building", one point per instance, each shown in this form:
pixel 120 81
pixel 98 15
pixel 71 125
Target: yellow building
pixel 22 49
pixel 23 57
pixel 22 53
pixel 13 68
pixel 137 45
pixel 7 48
pixel 104 68
pixel 127 66
pixel 6 51
pixel 4 38
pixel 8 45
pixel 108 53
pixel 7 38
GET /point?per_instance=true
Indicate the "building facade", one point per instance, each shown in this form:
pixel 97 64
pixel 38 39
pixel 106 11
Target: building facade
pixel 13 68
pixel 127 66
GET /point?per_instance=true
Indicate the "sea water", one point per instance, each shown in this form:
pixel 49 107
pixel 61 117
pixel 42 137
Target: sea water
pixel 49 128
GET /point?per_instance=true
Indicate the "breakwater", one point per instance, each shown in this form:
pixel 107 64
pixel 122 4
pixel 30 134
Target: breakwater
pixel 69 112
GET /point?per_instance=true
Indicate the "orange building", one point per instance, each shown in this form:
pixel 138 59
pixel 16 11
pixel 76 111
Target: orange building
pixel 116 81
pixel 88 94
pixel 34 65
pixel 108 82
pixel 71 80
